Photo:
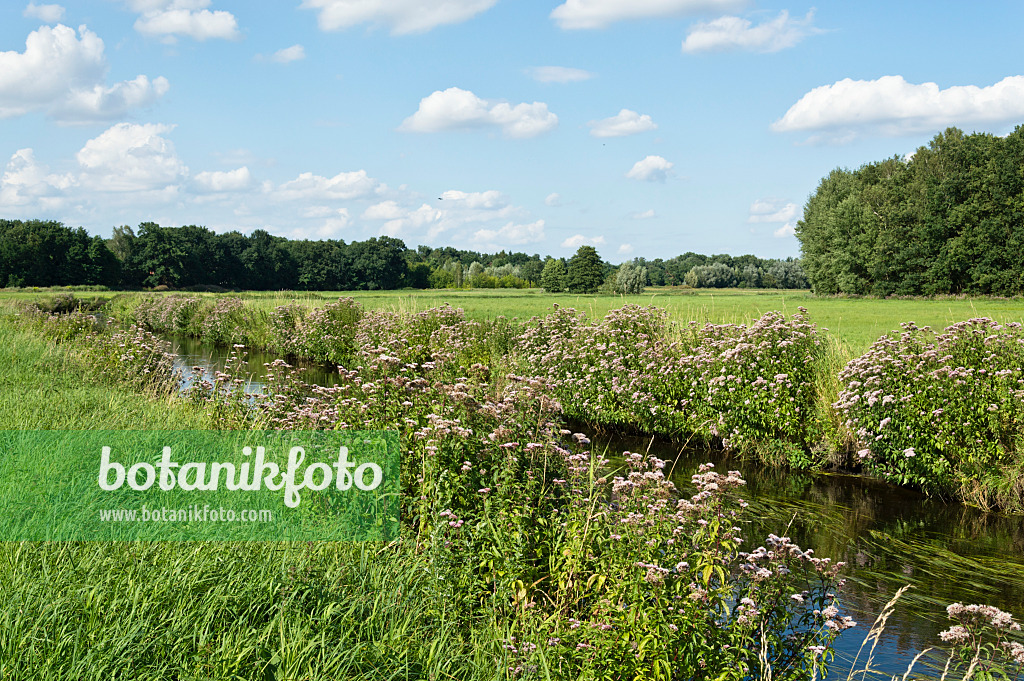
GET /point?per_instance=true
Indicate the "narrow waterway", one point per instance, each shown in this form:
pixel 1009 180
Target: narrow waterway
pixel 888 536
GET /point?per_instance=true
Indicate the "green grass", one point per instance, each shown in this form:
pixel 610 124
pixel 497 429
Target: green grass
pixel 857 322
pixel 43 387
pixel 171 611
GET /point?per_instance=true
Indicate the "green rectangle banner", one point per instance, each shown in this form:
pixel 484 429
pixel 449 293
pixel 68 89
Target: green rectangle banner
pixel 146 485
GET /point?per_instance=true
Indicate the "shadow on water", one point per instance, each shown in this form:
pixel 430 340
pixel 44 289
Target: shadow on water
pixel 888 536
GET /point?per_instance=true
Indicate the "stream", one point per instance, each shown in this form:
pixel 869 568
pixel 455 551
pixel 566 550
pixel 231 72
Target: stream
pixel 887 535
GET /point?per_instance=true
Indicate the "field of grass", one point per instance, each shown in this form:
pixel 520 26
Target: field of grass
pixel 857 322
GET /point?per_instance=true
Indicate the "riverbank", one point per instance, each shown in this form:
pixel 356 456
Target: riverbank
pixel 528 579
pixel 780 388
pixel 490 568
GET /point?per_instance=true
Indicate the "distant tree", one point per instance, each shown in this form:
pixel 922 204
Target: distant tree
pixel 585 272
pixel 378 263
pixel 715 275
pixel 552 278
pixel 630 279
pixel 476 275
pixel 532 270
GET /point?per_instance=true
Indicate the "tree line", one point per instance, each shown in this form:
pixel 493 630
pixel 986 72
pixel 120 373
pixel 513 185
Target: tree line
pixel 48 253
pixel 947 220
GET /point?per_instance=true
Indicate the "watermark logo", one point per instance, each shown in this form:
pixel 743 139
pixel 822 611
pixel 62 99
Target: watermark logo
pixel 199 485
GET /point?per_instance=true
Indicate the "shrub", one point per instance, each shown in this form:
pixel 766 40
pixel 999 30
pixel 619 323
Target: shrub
pixel 942 412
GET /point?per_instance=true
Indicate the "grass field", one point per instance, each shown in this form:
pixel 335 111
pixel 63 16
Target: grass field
pixel 858 322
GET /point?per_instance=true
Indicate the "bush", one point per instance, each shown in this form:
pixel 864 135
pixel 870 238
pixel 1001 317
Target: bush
pixel 942 412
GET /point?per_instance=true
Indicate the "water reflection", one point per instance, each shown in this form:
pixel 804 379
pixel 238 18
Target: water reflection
pixel 888 536
pixel 189 353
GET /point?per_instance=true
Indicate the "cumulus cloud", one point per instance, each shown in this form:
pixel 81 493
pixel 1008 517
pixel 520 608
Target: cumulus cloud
pixel 786 230
pixel 50 14
pixel 584 14
pixel 650 169
pixel 107 103
pixel 289 54
pixel 236 180
pixel 624 123
pixel 577 240
pixel 168 19
pixel 511 234
pixel 733 33
pixel 343 186
pixel 457 109
pixel 553 199
pixel 644 215
pixel 402 16
pixel 412 220
pixel 26 182
pixel 892 106
pixel 131 158
pixel 61 72
pixel 489 200
pixel 385 210
pixel 772 210
pixel 625 249
pixel 558 74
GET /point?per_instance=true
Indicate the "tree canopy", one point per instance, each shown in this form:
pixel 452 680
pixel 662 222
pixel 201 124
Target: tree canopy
pixel 47 253
pixel 948 219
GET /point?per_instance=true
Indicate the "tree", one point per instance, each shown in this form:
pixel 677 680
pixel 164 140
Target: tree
pixel 378 263
pixel 630 279
pixel 585 272
pixel 552 278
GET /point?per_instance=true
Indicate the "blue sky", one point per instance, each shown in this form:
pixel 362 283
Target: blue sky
pixel 644 127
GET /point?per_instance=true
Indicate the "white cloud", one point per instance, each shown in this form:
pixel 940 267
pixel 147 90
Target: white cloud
pixel 61 72
pixel 385 210
pixel 558 74
pixel 343 186
pixel 489 200
pixel 50 14
pixel 289 54
pixel 455 109
pixel 553 199
pixel 577 240
pixel 772 210
pixel 625 249
pixel 892 106
pixel 734 33
pixel 583 14
pixel 511 234
pixel 131 158
pixel 107 103
pixel 624 123
pixel 236 180
pixel 26 182
pixel 424 216
pixel 171 18
pixel 645 215
pixel 650 169
pixel 402 16
pixel 786 230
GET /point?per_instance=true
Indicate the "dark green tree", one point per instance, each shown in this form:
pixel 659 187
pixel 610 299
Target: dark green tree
pixel 585 271
pixel 552 277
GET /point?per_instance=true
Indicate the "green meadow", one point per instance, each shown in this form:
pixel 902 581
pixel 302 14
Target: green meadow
pixel 856 321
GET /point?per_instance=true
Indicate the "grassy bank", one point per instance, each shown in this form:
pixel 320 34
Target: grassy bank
pixel 775 387
pixel 511 564
pixel 522 557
